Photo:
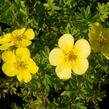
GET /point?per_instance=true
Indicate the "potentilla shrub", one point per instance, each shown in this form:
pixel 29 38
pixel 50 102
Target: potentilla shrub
pixel 54 54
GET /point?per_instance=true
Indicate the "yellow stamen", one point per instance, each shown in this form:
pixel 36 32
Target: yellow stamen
pixel 70 56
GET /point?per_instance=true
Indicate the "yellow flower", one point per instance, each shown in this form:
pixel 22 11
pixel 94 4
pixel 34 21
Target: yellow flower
pixel 99 39
pixel 19 63
pixel 18 38
pixel 69 57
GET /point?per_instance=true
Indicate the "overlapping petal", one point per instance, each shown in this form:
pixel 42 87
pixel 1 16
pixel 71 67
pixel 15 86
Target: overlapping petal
pixel 24 76
pixel 23 52
pixel 23 43
pixel 82 48
pixel 66 42
pixel 5 41
pixel 8 56
pixel 63 71
pixel 5 46
pixel 106 55
pixel 56 56
pixel 105 49
pixel 18 32
pixel 9 69
pixel 6 38
pixel 33 68
pixel 29 34
pixel 80 66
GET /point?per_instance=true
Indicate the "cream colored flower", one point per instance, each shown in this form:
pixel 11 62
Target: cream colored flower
pixel 70 57
pixel 99 39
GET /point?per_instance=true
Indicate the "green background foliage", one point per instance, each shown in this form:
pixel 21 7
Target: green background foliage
pixel 50 19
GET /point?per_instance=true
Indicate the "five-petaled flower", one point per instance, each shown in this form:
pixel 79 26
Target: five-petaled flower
pixel 18 38
pixel 70 57
pixel 99 39
pixel 19 63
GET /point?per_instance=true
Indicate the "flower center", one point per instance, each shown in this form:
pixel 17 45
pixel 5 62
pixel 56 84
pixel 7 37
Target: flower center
pixel 101 40
pixel 21 65
pixel 16 38
pixel 71 56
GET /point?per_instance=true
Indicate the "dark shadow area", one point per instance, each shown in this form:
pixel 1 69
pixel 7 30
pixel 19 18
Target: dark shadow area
pixel 104 104
pixel 9 99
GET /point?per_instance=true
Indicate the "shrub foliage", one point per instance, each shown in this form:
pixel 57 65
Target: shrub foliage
pixel 50 19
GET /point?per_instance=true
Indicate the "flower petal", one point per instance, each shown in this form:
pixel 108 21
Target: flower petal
pixel 24 43
pixel 6 38
pixel 63 71
pixel 106 34
pixel 105 48
pixel 82 48
pixel 95 33
pixel 5 46
pixel 106 55
pixel 5 41
pixel 29 34
pixel 24 76
pixel 23 52
pixel 18 32
pixel 56 56
pixel 80 66
pixel 33 68
pixel 8 56
pixel 105 52
pixel 66 42
pixel 9 69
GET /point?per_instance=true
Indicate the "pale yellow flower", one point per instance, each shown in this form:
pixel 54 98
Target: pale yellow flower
pixel 99 39
pixel 70 57
pixel 18 38
pixel 19 63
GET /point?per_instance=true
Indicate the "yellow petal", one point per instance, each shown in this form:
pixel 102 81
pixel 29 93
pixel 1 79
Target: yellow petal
pixel 106 55
pixel 66 42
pixel 9 69
pixel 82 48
pixel 80 66
pixel 105 47
pixel 24 76
pixel 29 34
pixel 6 38
pixel 96 37
pixel 63 71
pixel 56 56
pixel 33 68
pixel 5 41
pixel 5 46
pixel 18 32
pixel 24 43
pixel 8 56
pixel 23 52
pixel 106 34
